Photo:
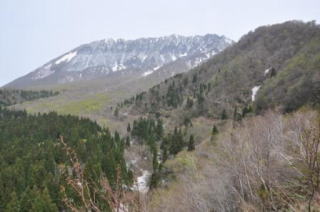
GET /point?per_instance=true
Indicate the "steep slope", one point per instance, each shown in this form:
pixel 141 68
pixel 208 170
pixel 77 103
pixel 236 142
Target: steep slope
pixel 273 66
pixel 123 57
pixel 260 165
pixel 248 163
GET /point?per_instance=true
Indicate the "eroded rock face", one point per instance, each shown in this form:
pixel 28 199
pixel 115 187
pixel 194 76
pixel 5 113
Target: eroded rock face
pixel 141 56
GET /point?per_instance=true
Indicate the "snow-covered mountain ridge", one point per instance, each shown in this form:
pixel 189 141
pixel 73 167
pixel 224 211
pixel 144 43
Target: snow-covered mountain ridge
pixel 141 56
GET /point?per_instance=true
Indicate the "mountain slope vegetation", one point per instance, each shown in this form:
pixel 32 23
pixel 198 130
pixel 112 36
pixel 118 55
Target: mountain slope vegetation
pixel 213 139
pixel 272 68
pixel 266 163
pixel 280 62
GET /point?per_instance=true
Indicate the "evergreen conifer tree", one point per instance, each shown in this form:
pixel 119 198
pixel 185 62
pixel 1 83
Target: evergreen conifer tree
pixel 128 128
pixel 191 146
pixel 214 130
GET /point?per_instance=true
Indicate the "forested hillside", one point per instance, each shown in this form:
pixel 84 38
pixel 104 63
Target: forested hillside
pixel 274 66
pixel 240 132
pixel 12 97
pixel 268 162
pixel 254 160
pixel 45 160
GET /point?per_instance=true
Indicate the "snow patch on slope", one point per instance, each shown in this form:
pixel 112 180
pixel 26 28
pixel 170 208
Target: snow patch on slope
pixel 142 57
pixel 173 57
pixel 267 71
pixel 151 71
pixel 210 54
pixel 66 58
pixel 156 68
pixel 147 73
pixel 43 73
pixel 197 61
pixel 254 92
pixel 118 67
pixel 142 182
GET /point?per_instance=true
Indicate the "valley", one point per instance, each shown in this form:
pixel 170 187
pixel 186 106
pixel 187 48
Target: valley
pixel 174 123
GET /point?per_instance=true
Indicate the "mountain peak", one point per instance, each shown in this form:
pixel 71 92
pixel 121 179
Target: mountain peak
pixel 105 57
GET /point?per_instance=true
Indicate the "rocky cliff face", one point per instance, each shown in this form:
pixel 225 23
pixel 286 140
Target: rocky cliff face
pixel 112 57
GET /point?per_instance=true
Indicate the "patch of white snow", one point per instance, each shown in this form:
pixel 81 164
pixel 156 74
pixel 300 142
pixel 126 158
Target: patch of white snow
pixel 210 54
pixel 66 58
pixel 118 67
pixel 147 73
pixel 254 92
pixel 156 68
pixel 173 57
pixel 142 182
pixel 143 57
pixel 266 71
pixel 197 61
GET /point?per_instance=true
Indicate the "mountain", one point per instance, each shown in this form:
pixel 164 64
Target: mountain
pixel 225 127
pixel 110 57
pixel 273 66
pixel 205 133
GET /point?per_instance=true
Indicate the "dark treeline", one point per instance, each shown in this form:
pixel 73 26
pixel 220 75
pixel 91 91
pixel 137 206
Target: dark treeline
pixel 11 97
pixel 34 165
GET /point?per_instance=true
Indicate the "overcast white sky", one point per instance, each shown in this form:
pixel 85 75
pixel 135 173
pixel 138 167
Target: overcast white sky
pixel 34 31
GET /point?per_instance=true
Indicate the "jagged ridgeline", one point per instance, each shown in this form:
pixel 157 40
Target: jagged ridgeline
pixel 35 170
pixel 127 58
pixel 12 97
pixel 273 66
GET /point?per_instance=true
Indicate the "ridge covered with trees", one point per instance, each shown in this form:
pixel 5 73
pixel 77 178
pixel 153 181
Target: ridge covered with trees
pixel 35 168
pixel 281 61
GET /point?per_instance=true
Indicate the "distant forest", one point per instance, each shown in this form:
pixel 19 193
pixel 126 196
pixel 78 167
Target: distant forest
pixel 12 97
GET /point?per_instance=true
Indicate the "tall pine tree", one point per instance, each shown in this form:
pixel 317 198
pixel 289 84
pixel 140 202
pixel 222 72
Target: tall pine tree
pixel 191 146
